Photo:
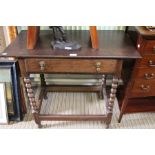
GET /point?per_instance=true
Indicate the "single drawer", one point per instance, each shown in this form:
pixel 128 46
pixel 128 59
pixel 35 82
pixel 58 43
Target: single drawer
pixel 143 88
pixel 145 73
pixel 146 61
pixel 149 47
pixel 72 66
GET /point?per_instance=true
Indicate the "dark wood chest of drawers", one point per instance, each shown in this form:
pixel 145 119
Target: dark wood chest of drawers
pixel 144 79
pixel 142 83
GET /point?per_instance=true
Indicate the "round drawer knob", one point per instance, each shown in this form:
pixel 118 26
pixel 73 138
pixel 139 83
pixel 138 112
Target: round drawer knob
pixel 42 65
pixel 98 69
pixel 98 65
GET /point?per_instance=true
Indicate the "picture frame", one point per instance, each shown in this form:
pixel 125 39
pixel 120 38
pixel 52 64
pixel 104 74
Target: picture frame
pixel 3 106
pixel 2 39
pixel 9 70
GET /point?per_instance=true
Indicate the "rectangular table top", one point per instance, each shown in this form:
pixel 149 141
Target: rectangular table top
pixel 115 44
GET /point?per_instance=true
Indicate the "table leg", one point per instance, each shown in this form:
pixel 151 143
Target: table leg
pixel 111 100
pixel 43 84
pixel 33 103
pixel 101 94
pixel 42 80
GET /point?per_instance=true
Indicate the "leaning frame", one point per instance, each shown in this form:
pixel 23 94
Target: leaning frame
pixel 17 106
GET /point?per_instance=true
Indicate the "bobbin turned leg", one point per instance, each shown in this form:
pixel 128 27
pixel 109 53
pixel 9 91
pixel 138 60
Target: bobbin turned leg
pixel 34 105
pixel 111 100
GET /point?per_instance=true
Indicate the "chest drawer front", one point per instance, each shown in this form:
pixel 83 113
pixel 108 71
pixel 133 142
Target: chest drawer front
pixel 145 73
pixel 143 88
pixel 70 66
pixel 147 61
pixel 149 47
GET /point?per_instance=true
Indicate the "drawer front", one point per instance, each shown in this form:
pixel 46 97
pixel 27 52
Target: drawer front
pixel 149 47
pixel 145 73
pixel 143 88
pixel 146 61
pixel 71 66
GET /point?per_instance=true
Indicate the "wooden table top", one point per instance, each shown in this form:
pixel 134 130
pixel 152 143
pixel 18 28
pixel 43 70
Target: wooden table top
pixel 112 44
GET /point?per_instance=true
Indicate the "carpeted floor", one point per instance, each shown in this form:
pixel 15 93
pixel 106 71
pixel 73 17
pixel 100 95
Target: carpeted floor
pixel 82 103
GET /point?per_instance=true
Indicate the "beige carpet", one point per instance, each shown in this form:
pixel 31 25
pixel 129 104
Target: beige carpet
pixel 82 103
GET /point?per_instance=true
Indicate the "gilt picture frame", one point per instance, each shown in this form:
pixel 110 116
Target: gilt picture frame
pixel 9 70
pixel 3 106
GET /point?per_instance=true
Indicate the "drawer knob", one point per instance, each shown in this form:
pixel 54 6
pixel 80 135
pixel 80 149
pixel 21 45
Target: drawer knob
pixel 154 48
pixel 151 63
pixel 42 65
pixel 98 69
pixel 149 76
pixel 145 87
pixel 98 65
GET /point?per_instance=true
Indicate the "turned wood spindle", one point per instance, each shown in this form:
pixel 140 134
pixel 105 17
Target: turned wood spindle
pixel 112 94
pixel 31 95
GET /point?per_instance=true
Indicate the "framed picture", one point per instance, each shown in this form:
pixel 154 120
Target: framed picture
pixel 9 75
pixel 3 106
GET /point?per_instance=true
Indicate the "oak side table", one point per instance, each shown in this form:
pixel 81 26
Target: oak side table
pixel 114 48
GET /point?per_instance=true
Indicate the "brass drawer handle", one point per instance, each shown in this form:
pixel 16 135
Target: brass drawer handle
pixel 151 63
pixel 148 76
pixel 154 48
pixel 145 87
pixel 98 65
pixel 42 65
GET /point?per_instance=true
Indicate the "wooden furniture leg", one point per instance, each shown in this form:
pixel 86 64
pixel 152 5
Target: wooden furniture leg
pixel 111 100
pixel 43 85
pixel 42 80
pixel 33 103
pixel 103 87
pixel 125 101
pixel 127 93
pixel 100 92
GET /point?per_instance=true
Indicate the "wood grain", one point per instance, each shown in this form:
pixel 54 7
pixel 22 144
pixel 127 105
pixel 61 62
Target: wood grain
pixel 71 66
pixel 12 30
pixel 142 82
pixel 116 44
pixel 94 37
pixel 32 36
